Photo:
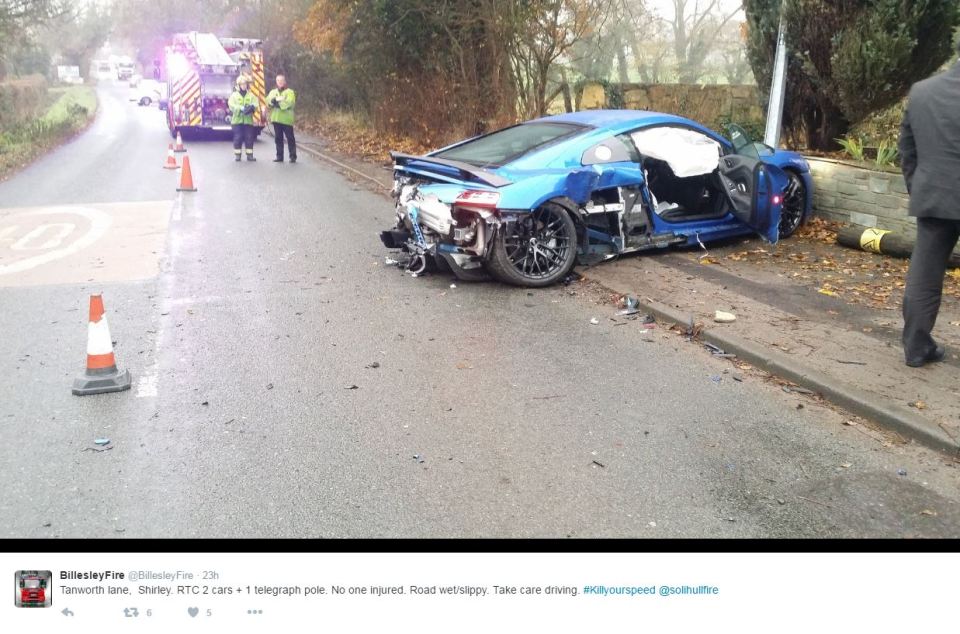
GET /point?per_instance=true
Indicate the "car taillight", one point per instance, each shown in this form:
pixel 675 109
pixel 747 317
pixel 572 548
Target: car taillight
pixel 478 198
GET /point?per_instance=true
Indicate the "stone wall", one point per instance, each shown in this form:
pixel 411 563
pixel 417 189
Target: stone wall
pixel 859 195
pixel 706 103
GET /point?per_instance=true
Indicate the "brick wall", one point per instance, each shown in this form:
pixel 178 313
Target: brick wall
pixel 705 103
pixel 858 195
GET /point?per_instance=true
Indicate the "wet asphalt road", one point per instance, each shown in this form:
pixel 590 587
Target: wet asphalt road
pixel 272 301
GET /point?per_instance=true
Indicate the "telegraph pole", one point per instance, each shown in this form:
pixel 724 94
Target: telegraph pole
pixel 778 87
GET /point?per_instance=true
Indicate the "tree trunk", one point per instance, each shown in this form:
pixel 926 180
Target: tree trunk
pixel 824 125
pixel 622 66
pixel 565 88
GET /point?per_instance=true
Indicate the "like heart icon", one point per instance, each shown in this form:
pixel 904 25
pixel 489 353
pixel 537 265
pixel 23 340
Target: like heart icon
pixel 193 611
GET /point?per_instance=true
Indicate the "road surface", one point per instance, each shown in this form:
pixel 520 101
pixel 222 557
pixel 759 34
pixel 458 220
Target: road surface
pixel 289 384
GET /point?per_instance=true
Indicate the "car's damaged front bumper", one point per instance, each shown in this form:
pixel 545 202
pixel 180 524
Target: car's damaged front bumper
pixel 456 234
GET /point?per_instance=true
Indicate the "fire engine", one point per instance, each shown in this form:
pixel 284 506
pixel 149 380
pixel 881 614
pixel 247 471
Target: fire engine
pixel 33 591
pixel 199 70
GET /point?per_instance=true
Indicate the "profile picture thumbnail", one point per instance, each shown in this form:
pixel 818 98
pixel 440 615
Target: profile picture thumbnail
pixel 33 588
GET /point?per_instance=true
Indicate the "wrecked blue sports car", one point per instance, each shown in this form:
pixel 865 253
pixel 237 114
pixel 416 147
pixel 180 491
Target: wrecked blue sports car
pixel 528 202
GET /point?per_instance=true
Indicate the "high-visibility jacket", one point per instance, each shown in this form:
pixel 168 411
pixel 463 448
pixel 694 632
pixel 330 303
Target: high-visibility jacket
pixel 287 100
pixel 237 103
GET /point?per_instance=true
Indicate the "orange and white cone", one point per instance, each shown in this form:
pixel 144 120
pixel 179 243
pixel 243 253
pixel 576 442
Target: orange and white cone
pixel 179 147
pixel 171 163
pixel 101 374
pixel 186 177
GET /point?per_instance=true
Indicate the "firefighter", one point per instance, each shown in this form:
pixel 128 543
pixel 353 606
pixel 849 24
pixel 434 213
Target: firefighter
pixel 243 103
pixel 282 100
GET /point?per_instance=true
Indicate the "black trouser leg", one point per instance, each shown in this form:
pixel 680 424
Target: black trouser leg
pixel 291 141
pixel 936 238
pixel 237 130
pixel 250 135
pixel 278 139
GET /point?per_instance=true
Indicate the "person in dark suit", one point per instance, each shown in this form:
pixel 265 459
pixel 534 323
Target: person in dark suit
pixel 930 159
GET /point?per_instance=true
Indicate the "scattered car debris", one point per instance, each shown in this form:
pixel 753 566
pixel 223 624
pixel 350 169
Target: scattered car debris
pixel 722 317
pixel 599 464
pixel 352 387
pixel 716 378
pixel 419 458
pixel 918 404
pixel 391 262
pixel 631 306
pixel 374 365
pixel 453 286
pixel 594 321
pixel 901 472
pixel 796 389
pixel 98 449
pixel 850 362
pixel 928 512
pixel 101 441
pixel 269 386
pixel 738 378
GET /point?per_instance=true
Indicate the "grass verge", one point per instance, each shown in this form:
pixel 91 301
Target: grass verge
pixel 71 109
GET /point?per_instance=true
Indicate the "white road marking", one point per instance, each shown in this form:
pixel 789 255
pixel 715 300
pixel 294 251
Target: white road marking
pixel 23 244
pixel 147 385
pixel 99 222
pixel 6 231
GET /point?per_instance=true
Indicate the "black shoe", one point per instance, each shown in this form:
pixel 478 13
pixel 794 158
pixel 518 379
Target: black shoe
pixel 939 353
pixel 250 157
pixel 293 159
pixel 278 160
pixel 236 158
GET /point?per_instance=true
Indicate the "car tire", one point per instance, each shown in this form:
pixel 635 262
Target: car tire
pixel 536 250
pixel 794 212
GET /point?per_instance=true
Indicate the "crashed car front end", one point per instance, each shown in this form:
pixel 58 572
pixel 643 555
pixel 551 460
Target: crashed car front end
pixel 443 225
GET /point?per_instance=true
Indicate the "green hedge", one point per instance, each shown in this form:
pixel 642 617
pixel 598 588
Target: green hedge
pixel 22 100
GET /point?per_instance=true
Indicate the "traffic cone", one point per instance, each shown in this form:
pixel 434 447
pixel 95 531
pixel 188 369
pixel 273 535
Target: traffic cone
pixel 101 375
pixel 186 177
pixel 179 148
pixel 171 163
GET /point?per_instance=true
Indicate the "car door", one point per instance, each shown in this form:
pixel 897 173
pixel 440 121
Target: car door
pixel 751 186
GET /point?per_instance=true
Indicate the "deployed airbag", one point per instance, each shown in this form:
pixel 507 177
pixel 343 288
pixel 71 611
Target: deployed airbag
pixel 688 153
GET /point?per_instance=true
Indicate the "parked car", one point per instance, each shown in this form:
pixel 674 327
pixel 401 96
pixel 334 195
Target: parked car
pixel 149 91
pixel 527 202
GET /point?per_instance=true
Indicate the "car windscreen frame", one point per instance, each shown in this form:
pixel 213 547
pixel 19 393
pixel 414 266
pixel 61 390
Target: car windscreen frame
pixel 575 129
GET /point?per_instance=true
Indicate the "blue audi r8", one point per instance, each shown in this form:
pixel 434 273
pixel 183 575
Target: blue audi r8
pixel 527 202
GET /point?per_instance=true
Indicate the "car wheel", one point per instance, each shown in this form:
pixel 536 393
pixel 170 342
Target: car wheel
pixel 144 101
pixel 538 249
pixel 794 206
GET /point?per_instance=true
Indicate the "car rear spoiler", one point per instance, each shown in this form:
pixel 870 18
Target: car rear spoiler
pixel 467 171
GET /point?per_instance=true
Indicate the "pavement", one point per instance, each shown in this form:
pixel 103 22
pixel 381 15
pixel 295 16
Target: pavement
pixel 286 383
